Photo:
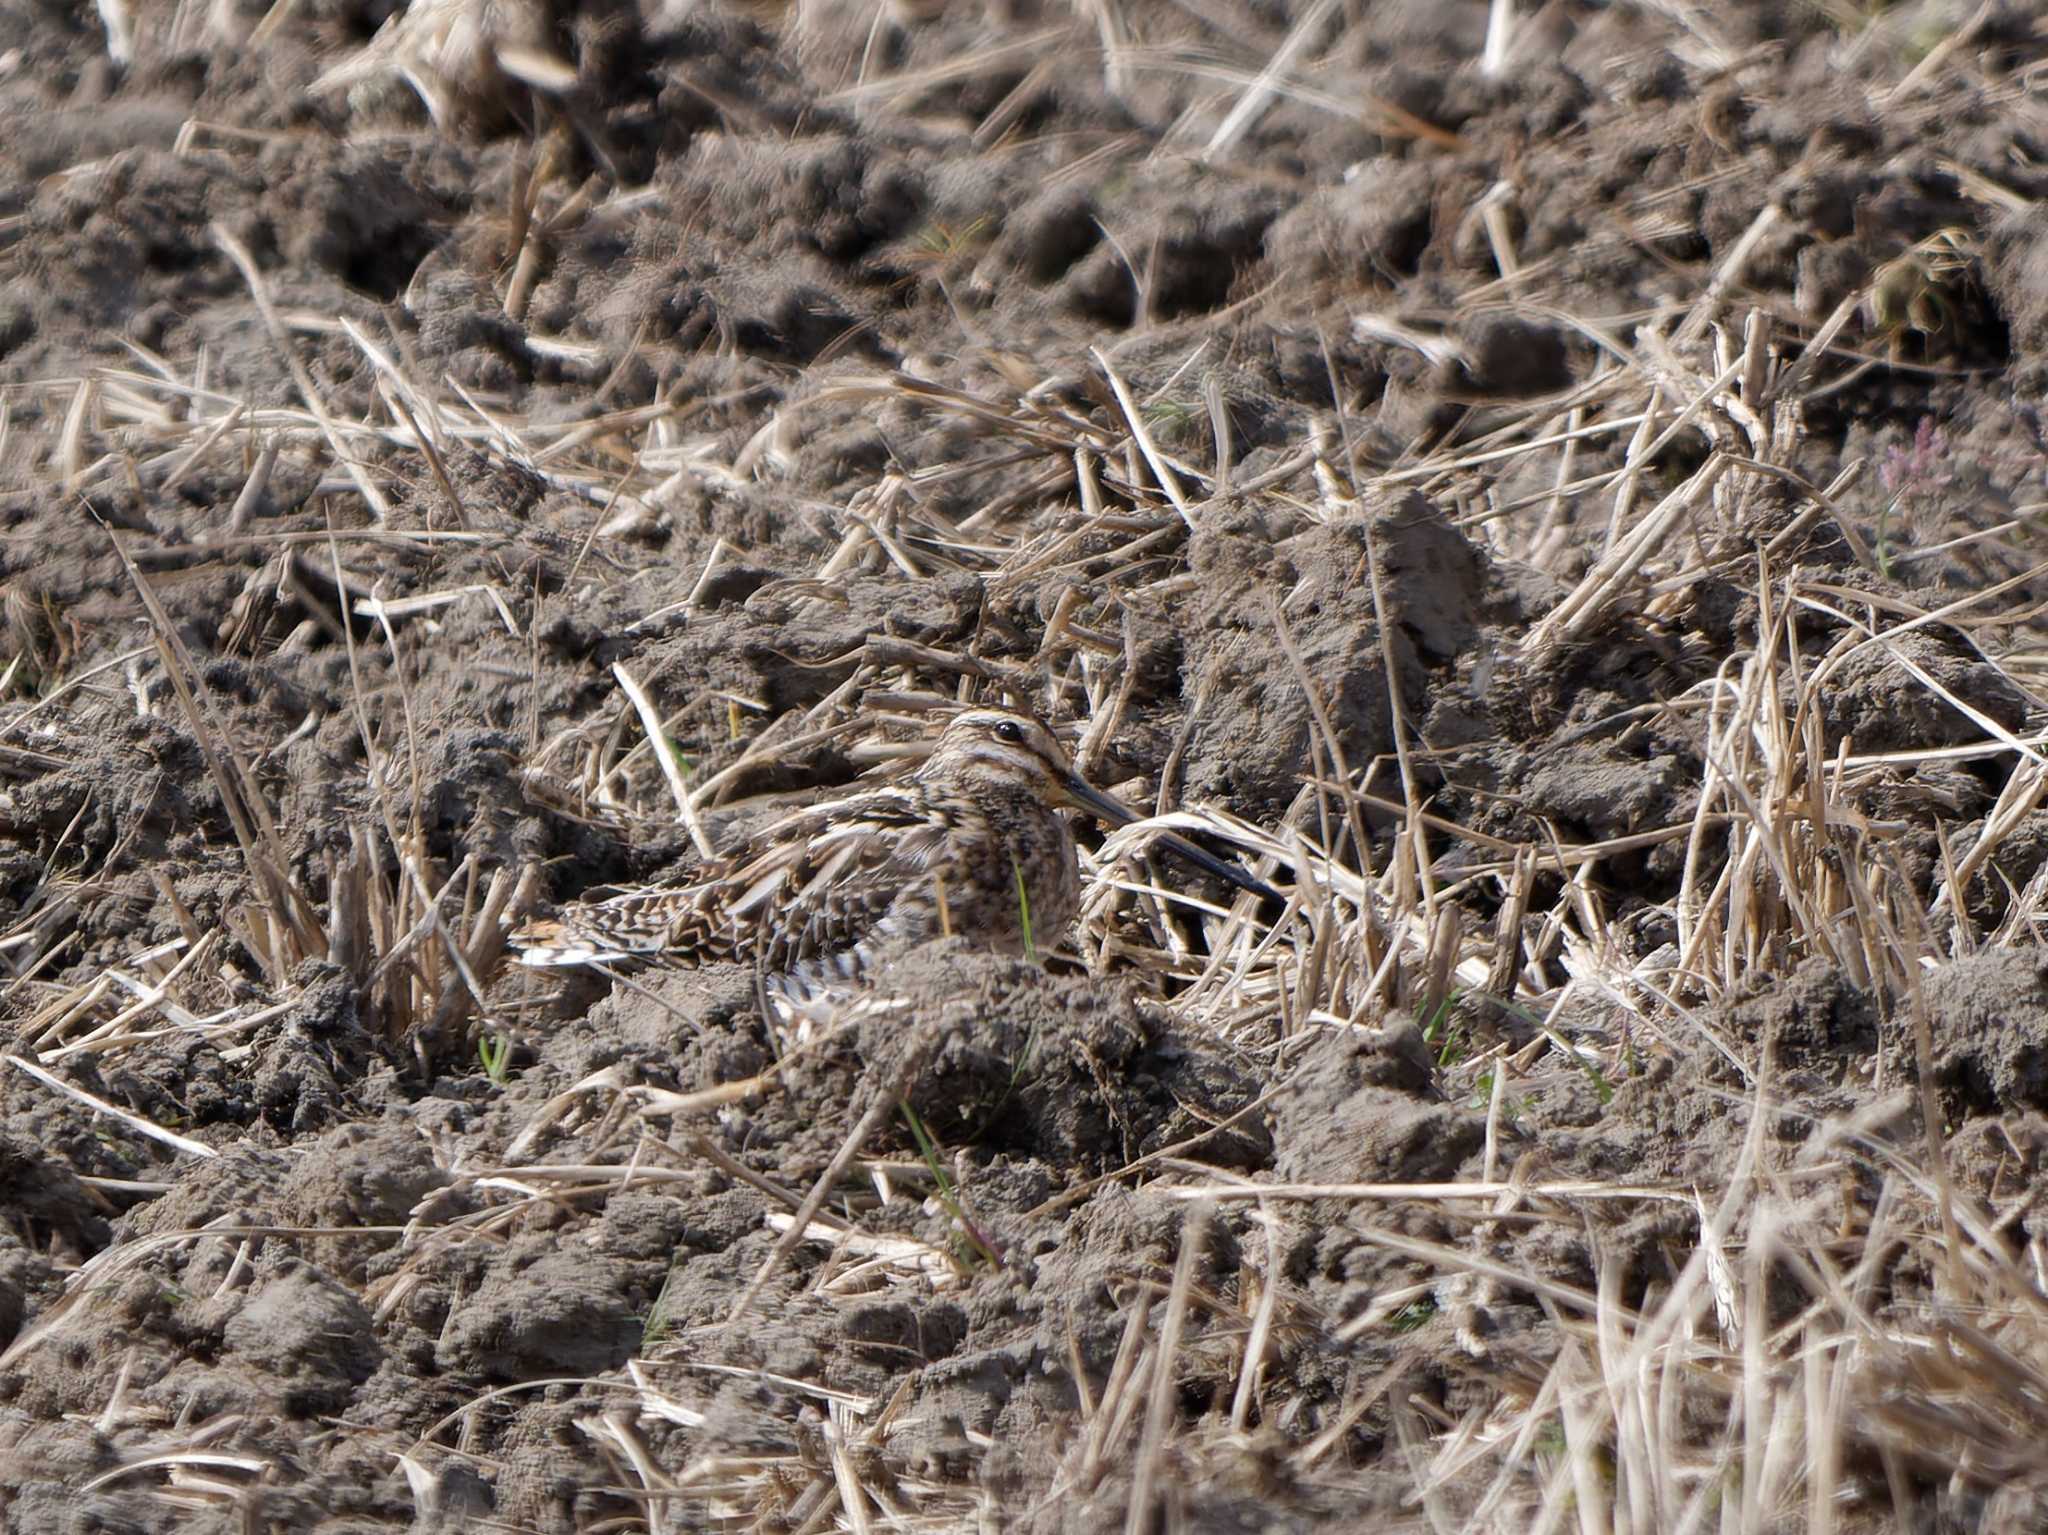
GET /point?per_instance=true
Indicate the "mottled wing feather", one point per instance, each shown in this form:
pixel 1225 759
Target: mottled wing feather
pixel 832 915
pixel 811 885
pixel 817 884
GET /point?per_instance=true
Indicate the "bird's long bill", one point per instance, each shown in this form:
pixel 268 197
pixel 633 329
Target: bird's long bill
pixel 1090 798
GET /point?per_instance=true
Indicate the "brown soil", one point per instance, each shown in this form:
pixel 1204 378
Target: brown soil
pixel 776 364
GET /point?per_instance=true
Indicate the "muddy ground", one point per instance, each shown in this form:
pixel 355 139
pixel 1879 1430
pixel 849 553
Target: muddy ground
pixel 773 356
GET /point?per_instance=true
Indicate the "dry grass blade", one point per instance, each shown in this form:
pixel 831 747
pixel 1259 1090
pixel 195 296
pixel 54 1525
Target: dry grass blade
pixel 1159 1404
pixel 248 812
pixel 259 291
pixel 135 1122
pixel 664 756
pixel 1135 419
pixel 1257 96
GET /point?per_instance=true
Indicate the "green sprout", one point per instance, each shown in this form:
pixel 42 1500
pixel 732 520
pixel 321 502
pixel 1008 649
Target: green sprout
pixel 1448 1043
pixel 1411 1316
pixel 949 1196
pixel 660 1314
pixel 1024 909
pixel 939 243
pixel 674 753
pixel 494 1052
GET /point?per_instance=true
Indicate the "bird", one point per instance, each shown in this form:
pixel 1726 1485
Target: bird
pixel 974 843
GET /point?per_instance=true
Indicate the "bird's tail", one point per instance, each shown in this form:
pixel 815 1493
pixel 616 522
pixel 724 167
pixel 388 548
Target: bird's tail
pixel 632 928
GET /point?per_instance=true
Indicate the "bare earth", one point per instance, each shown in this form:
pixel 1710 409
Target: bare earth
pixel 1561 500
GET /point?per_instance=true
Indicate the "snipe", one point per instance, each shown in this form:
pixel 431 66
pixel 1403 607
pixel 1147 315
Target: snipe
pixel 974 843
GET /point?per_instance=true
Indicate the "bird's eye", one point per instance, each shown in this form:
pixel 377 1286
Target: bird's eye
pixel 1009 730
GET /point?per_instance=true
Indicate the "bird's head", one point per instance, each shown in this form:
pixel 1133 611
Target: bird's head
pixel 1001 749
pixel 996 748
